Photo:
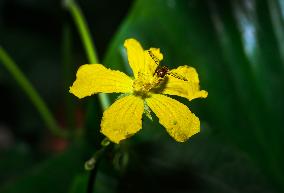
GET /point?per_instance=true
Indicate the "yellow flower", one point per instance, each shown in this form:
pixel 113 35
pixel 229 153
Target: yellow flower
pixel 147 89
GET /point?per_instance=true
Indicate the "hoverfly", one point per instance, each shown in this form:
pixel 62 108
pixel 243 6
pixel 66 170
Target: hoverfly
pixel 162 71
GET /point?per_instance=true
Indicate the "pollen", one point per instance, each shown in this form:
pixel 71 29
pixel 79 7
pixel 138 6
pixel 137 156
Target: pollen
pixel 144 83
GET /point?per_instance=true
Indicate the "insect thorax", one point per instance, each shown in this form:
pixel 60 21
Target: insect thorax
pixel 162 71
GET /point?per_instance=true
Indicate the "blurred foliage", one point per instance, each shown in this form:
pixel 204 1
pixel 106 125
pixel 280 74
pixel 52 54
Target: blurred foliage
pixel 53 175
pixel 235 45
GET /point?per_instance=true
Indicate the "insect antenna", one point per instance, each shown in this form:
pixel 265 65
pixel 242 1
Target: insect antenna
pixel 162 71
pixel 154 58
pixel 173 74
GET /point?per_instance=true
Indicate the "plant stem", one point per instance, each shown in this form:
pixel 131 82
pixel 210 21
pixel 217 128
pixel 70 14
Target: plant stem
pixel 92 179
pixel 93 164
pixel 84 32
pixel 32 94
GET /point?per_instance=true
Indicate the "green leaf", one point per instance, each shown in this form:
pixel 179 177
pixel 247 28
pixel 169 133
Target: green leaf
pixel 203 165
pixel 79 184
pixel 237 50
pixel 103 184
pixel 54 175
pixel 15 161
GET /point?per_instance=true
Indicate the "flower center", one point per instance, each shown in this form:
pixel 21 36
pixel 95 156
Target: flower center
pixel 144 83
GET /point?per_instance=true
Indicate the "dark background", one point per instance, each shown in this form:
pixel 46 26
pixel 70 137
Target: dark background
pixel 237 48
pixel 31 31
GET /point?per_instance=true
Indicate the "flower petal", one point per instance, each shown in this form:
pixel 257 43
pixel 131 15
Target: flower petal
pixel 95 78
pixel 123 118
pixel 189 89
pixel 153 56
pixel 139 59
pixel 179 122
pixel 135 55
